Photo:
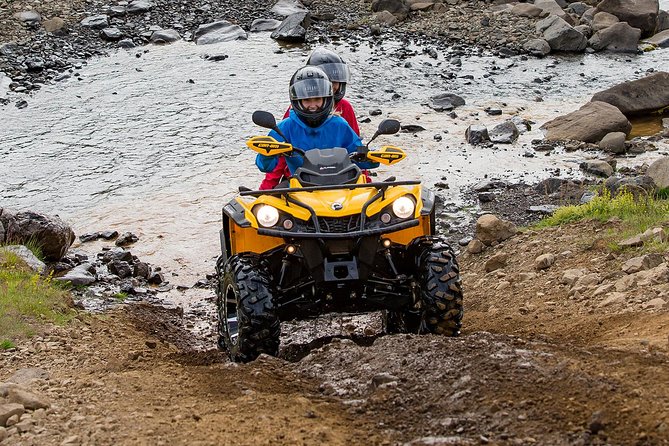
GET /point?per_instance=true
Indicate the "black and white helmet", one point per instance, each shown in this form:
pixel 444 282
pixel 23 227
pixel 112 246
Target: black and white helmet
pixel 334 66
pixel 311 82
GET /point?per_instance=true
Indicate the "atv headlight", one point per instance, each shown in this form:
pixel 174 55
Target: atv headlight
pixel 267 215
pixel 404 207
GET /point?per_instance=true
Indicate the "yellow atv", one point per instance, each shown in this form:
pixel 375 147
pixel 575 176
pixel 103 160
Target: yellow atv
pixel 331 242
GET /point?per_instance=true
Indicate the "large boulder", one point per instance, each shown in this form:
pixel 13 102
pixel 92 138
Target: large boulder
pixel 221 31
pixel 550 7
pixel 659 172
pixel 560 35
pixel 640 14
pixel 49 233
pixel 294 28
pixel 491 229
pixel 618 37
pixel 285 8
pixel 641 96
pixel 590 123
pixel 527 10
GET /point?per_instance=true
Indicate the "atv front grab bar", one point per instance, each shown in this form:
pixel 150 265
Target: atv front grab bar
pixel 288 190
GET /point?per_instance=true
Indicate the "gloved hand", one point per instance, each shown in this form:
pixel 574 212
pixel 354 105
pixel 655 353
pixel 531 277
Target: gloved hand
pixel 360 155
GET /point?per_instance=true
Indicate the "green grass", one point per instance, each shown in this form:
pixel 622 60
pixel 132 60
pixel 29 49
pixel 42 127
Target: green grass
pixel 636 214
pixel 6 344
pixel 121 296
pixel 28 299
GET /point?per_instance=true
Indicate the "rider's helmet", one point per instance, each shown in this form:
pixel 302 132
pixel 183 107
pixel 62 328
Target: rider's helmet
pixel 334 66
pixel 311 82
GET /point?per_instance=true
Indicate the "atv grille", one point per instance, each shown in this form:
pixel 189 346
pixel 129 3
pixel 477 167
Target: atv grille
pixel 337 225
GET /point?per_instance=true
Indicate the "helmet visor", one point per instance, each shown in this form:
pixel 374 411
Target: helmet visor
pixel 337 72
pixel 310 88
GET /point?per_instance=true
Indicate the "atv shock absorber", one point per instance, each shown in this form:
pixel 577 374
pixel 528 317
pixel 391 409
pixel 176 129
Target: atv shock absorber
pixel 386 253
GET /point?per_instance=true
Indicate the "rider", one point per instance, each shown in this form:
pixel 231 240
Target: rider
pixel 310 123
pixel 339 74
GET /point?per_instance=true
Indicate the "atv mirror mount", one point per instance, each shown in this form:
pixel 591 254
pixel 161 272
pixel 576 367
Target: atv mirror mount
pixel 386 127
pixel 267 120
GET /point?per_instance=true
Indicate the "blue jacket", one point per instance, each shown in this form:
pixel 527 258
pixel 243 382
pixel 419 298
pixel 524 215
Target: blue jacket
pixel 334 132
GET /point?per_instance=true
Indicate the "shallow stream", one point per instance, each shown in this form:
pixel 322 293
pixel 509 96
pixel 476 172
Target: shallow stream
pixel 152 140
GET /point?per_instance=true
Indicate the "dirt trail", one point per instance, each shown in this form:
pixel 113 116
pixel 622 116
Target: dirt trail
pixel 534 365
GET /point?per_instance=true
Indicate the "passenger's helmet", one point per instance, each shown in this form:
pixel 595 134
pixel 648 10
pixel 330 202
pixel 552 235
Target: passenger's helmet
pixel 311 82
pixel 334 66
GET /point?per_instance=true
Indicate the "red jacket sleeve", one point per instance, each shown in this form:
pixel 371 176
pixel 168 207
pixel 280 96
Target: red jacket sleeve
pixel 344 107
pixel 273 178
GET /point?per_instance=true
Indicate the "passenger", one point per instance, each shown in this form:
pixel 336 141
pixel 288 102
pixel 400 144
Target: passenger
pixel 339 74
pixel 310 123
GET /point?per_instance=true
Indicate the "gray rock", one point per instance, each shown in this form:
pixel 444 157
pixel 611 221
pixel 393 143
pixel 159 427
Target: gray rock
pixel 660 40
pixel 126 43
pixel 27 256
pixel 550 7
pixel 640 14
pixel 544 209
pixel 560 35
pixel 618 37
pixel 27 375
pixel 139 6
pixel 285 8
pixel 578 8
pixel 95 22
pixel 111 34
pixel 662 21
pixel 294 28
pixel 9 410
pixel 117 11
pixel 29 17
pixel 398 8
pixel 221 31
pixel 259 25
pixel 491 229
pixel 590 123
pixel 659 172
pixel 49 233
pixel 127 238
pixel 120 268
pixel 165 36
pixel 78 276
pixel 476 134
pixel 641 96
pixel 537 47
pixel 445 102
pixel 603 20
pixel 613 142
pixel 527 10
pixel 498 261
pixel 544 261
pixel 504 133
pixel 27 399
pixel 385 18
pixel 586 30
pixel 642 263
pixel 597 167
pixel 382 378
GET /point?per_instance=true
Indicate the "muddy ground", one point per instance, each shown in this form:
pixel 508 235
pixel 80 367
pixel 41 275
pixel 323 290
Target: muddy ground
pixel 535 364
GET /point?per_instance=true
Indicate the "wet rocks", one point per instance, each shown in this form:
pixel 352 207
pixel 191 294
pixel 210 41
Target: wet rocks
pixel 78 276
pixel 640 96
pixel 445 102
pixel 537 47
pixel 590 123
pixel 287 8
pixel 165 36
pixel 125 239
pixel 660 40
pixel 613 142
pixel 504 133
pixel 221 31
pixel 139 7
pixel 294 28
pixel 259 25
pixel 477 134
pixel 95 22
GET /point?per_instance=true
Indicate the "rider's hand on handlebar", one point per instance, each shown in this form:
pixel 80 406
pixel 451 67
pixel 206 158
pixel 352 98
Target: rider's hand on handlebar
pixel 360 154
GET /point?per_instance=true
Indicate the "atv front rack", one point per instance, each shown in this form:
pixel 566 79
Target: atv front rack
pixel 289 190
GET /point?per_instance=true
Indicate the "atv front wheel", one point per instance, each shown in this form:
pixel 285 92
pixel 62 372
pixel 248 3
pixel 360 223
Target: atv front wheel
pixel 247 322
pixel 440 291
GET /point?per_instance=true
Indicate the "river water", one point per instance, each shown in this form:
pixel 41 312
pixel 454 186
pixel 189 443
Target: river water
pixel 152 140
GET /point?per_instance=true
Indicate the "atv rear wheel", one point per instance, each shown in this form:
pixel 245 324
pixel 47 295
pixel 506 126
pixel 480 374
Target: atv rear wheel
pixel 440 291
pixel 247 322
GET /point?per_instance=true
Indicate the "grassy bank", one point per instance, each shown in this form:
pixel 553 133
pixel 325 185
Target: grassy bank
pixel 636 214
pixel 27 300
